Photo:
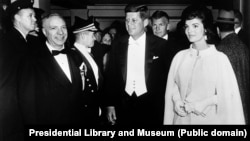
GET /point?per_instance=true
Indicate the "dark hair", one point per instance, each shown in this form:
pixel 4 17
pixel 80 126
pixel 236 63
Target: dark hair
pixel 205 15
pixel 159 14
pixel 106 32
pixel 143 9
pixel 225 27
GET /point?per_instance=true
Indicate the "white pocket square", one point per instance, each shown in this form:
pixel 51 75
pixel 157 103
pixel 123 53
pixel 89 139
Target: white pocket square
pixel 155 57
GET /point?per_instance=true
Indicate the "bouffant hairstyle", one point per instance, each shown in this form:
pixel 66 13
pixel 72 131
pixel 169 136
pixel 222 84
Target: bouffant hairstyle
pixel 205 15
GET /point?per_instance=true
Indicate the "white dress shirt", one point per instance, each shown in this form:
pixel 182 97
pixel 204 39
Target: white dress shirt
pixel 237 30
pixel 86 52
pixel 62 60
pixel 136 66
pixel 165 37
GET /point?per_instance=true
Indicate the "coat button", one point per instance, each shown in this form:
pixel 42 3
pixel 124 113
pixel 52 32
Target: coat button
pixel 92 91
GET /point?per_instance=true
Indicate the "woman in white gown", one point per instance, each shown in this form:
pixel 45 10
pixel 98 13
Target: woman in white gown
pixel 201 86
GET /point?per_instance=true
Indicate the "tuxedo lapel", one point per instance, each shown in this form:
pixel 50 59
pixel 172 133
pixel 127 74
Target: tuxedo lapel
pixel 50 65
pixel 123 54
pixel 149 54
pixel 100 79
pixel 75 73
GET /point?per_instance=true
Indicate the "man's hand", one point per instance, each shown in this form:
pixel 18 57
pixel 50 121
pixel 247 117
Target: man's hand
pixel 111 115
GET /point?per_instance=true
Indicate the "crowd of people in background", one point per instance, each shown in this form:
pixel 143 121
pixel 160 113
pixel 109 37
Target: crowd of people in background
pixel 135 72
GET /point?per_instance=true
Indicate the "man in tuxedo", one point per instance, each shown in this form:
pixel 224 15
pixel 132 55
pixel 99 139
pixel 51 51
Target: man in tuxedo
pixel 160 24
pixel 84 41
pixel 54 92
pixel 14 52
pixel 136 74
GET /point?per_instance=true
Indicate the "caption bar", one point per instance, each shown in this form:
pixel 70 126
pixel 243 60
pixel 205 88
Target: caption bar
pixel 139 133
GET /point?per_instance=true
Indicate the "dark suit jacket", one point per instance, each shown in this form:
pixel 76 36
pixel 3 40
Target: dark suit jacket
pixel 51 98
pixel 149 107
pixel 243 36
pixel 91 93
pixel 13 53
pixel 238 55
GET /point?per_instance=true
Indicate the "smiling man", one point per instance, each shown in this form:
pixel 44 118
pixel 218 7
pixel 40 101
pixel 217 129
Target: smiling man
pixel 54 86
pixel 137 73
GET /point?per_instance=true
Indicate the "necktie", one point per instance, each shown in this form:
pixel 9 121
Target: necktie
pixel 56 52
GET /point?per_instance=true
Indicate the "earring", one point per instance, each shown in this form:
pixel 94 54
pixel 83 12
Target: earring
pixel 205 33
pixel 205 37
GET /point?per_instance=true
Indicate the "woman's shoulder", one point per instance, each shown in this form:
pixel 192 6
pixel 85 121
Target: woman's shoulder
pixel 179 55
pixel 182 52
pixel 221 55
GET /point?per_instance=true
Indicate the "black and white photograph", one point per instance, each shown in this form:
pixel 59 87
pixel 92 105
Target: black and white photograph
pixel 93 68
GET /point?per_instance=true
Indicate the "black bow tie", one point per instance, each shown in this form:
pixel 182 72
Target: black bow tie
pixel 56 52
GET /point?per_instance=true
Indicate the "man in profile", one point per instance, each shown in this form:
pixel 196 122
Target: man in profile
pixel 14 52
pixel 84 41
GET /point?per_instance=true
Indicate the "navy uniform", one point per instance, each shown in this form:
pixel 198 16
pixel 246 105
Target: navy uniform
pixel 90 70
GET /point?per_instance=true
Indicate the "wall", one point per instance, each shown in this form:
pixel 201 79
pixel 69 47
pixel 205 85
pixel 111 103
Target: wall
pixel 106 14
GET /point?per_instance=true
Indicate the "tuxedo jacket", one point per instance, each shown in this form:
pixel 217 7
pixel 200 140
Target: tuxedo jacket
pixel 51 98
pixel 149 106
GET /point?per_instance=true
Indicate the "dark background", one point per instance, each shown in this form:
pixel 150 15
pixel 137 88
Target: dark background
pixel 74 4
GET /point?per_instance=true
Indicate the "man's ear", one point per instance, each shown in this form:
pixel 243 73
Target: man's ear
pixel 146 22
pixel 82 35
pixel 168 27
pixel 44 32
pixel 17 17
pixel 218 30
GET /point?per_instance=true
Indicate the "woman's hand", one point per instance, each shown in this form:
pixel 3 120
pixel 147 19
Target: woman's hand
pixel 200 107
pixel 197 107
pixel 179 108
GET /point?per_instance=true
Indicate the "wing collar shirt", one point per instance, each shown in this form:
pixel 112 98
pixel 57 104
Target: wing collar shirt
pixel 86 52
pixel 62 60
pixel 135 81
